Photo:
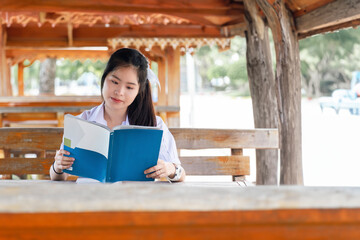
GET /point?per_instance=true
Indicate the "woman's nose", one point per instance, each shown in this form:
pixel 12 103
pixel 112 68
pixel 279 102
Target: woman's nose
pixel 119 91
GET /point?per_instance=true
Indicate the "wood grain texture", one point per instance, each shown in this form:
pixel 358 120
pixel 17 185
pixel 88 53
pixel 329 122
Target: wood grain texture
pixel 334 13
pixel 202 138
pixel 45 141
pixel 275 225
pixel 200 7
pixel 216 165
pixel 31 138
pixel 194 212
pixel 288 90
pixel 262 89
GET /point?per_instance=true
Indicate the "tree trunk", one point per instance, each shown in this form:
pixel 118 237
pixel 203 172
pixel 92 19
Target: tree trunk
pixel 288 85
pixel 47 76
pixel 262 88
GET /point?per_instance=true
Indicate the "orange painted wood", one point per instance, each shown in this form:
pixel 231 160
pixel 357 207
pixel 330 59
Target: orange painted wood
pixel 210 7
pixel 19 54
pixel 333 13
pixel 21 79
pixel 173 83
pixel 296 224
pixel 162 96
pixel 302 7
pixel 50 101
pixel 84 36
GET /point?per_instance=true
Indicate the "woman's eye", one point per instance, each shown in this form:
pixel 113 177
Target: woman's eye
pixel 129 88
pixel 114 82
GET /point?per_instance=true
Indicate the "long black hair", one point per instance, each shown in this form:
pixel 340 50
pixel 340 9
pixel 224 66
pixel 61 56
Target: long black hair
pixel 141 110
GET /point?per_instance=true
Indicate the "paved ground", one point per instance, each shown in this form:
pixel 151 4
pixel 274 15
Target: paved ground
pixel 331 153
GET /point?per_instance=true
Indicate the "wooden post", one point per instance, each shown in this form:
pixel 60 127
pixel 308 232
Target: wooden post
pixel 21 79
pixel 3 65
pixel 262 88
pixel 237 152
pixel 173 80
pixel 288 89
pixel 162 99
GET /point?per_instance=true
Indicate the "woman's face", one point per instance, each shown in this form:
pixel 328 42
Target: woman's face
pixel 120 88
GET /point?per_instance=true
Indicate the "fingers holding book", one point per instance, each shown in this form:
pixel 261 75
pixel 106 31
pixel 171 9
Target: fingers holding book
pixel 62 161
pixel 161 170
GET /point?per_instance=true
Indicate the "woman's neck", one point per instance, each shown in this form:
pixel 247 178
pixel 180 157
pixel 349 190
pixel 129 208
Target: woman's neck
pixel 114 118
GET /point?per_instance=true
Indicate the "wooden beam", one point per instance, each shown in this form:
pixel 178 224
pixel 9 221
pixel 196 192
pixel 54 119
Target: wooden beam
pixel 46 36
pixel 332 28
pixel 262 88
pixel 288 90
pixel 199 7
pixel 19 54
pixel 334 13
pixel 300 8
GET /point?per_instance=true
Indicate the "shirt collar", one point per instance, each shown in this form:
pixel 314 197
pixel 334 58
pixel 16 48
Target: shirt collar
pixel 98 116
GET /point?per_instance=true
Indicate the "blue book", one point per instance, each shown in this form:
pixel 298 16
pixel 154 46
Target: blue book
pixel 110 155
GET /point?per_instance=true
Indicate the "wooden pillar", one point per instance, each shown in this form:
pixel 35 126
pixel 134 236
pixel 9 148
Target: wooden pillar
pixel 162 97
pixel 21 78
pixel 173 81
pixel 262 88
pixel 288 89
pixel 3 65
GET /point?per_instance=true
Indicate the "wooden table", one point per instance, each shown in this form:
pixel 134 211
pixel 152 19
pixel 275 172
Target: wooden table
pixel 34 209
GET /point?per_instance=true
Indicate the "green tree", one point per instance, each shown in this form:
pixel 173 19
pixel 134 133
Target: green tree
pixel 327 61
pixel 215 64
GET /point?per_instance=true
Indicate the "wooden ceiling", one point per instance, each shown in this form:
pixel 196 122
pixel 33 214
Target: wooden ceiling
pixel 79 23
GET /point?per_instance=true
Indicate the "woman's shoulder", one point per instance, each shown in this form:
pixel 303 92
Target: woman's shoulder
pixel 91 114
pixel 160 123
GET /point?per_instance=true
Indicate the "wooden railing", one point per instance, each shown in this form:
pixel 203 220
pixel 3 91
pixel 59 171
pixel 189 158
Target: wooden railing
pixel 50 111
pixel 43 142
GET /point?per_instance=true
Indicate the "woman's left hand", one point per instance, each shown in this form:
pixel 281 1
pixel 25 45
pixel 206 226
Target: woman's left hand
pixel 161 170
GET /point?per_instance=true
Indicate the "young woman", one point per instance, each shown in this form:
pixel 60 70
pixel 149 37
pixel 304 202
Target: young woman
pixel 126 92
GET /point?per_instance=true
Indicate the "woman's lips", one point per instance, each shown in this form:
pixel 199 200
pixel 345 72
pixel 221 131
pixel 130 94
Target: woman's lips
pixel 116 100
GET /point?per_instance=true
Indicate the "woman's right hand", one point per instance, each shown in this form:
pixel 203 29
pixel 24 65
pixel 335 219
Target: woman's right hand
pixel 62 162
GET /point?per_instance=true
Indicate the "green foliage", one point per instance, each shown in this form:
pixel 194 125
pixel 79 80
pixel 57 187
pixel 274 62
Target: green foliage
pixel 237 72
pixel 66 70
pixel 327 61
pixel 231 63
pixel 72 70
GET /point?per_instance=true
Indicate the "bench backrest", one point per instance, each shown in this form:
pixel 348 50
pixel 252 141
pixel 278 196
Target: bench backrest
pixel 15 142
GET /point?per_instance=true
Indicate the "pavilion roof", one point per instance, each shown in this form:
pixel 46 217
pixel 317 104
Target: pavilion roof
pixel 93 23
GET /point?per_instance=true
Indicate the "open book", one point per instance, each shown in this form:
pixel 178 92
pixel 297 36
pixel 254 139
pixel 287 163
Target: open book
pixel 120 154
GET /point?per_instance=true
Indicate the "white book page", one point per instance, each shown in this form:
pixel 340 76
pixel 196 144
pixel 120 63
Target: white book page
pixel 87 135
pixel 132 127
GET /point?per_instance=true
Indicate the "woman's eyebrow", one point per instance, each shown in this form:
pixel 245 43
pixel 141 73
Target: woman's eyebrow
pixel 121 81
pixel 115 77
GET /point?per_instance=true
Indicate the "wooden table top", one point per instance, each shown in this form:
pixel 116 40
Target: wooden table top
pixel 48 196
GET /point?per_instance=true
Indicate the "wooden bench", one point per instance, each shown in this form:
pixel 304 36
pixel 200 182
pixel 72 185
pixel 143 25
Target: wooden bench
pixel 43 142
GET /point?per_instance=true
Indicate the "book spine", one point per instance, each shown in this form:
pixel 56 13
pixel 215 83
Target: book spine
pixel 109 162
